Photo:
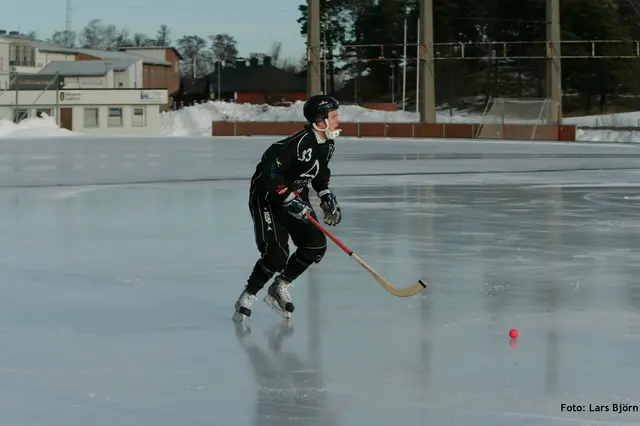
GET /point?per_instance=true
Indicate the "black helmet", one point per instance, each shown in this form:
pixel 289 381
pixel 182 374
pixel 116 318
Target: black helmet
pixel 316 108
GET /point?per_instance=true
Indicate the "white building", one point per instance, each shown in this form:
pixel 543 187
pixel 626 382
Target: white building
pixel 98 74
pixel 106 111
pixel 22 55
pixel 98 91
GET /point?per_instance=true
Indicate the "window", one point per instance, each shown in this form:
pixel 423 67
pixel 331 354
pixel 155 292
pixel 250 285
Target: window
pixel 41 111
pixel 1 63
pixel 114 119
pixel 21 55
pixel 138 116
pixel 91 117
pixel 12 55
pixel 20 114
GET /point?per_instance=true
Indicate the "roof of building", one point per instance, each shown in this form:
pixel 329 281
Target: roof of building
pixel 257 78
pixel 44 46
pixel 40 45
pixel 194 86
pixel 86 68
pixel 131 48
pixel 106 54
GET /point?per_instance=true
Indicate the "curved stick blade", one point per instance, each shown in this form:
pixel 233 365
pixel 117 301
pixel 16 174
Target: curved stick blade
pixel 412 290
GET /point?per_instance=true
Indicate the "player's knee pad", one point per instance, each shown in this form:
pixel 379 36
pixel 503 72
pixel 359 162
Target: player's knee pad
pixel 314 254
pixel 275 260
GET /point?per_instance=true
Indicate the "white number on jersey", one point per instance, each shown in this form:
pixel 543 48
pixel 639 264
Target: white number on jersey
pixel 306 155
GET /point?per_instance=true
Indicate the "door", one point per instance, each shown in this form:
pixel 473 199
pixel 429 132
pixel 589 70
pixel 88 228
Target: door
pixel 66 118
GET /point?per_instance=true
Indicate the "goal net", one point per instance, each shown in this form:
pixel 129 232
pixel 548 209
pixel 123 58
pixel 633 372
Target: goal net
pixel 512 118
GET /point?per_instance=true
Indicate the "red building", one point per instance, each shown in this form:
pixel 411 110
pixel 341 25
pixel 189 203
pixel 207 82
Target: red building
pixel 245 81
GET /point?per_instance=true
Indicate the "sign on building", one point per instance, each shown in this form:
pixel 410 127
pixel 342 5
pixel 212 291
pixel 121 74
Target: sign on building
pixel 34 81
pixel 70 96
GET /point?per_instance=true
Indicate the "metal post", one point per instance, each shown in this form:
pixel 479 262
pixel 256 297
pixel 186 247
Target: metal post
pixel 554 68
pixel 313 45
pixel 404 67
pixel 324 57
pixel 219 78
pixel 393 83
pixel 15 109
pixel 418 69
pixel 58 99
pixel 428 97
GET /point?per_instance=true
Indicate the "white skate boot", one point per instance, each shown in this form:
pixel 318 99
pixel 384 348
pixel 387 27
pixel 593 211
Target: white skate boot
pixel 278 298
pixel 243 306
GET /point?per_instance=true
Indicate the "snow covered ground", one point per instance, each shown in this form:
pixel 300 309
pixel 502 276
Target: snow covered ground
pixel 196 121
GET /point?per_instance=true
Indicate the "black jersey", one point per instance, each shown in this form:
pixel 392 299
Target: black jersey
pixel 290 165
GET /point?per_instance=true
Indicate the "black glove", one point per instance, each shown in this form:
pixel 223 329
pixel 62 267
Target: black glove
pixel 297 207
pixel 330 208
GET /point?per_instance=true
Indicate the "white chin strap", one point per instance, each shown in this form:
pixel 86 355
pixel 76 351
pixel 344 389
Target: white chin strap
pixel 331 134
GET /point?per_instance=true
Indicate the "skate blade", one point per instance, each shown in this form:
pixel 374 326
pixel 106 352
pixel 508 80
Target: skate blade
pixel 273 304
pixel 242 330
pixel 239 318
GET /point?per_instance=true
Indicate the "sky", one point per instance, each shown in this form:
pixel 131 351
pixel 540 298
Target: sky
pixel 255 24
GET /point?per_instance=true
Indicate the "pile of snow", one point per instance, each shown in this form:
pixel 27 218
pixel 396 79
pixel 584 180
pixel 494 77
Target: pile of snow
pixel 195 121
pixel 623 119
pixel 619 136
pixel 44 127
pixel 588 131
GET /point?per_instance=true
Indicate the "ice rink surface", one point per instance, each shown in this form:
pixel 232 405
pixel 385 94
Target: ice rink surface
pixel 117 299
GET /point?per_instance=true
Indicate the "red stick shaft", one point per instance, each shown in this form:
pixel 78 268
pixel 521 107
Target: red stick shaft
pixel 330 235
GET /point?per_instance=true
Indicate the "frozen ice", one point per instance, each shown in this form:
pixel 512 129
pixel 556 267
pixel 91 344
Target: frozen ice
pixel 117 298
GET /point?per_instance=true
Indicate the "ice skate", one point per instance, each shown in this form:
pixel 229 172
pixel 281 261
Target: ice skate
pixel 243 306
pixel 278 298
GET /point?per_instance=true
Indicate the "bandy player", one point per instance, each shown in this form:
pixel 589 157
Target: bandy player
pixel 279 203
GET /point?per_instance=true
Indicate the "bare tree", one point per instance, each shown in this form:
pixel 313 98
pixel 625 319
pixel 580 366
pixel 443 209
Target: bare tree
pixel 224 47
pixel 276 51
pixel 162 36
pixel 63 38
pixel 197 60
pixel 92 34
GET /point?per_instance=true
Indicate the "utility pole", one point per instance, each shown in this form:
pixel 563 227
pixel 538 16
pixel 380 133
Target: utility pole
pixel 554 67
pixel 313 48
pixel 427 64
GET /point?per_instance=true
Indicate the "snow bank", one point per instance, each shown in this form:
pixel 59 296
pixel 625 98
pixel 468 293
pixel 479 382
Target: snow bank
pixel 44 127
pixel 619 136
pixel 195 121
pixel 624 119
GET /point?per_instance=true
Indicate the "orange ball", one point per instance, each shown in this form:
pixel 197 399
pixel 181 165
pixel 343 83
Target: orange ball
pixel 513 333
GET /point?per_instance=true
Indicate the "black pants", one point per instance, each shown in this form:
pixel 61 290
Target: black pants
pixel 273 227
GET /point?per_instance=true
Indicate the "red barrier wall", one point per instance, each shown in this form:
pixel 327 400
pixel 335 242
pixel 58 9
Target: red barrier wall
pixel 381 106
pixel 402 130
